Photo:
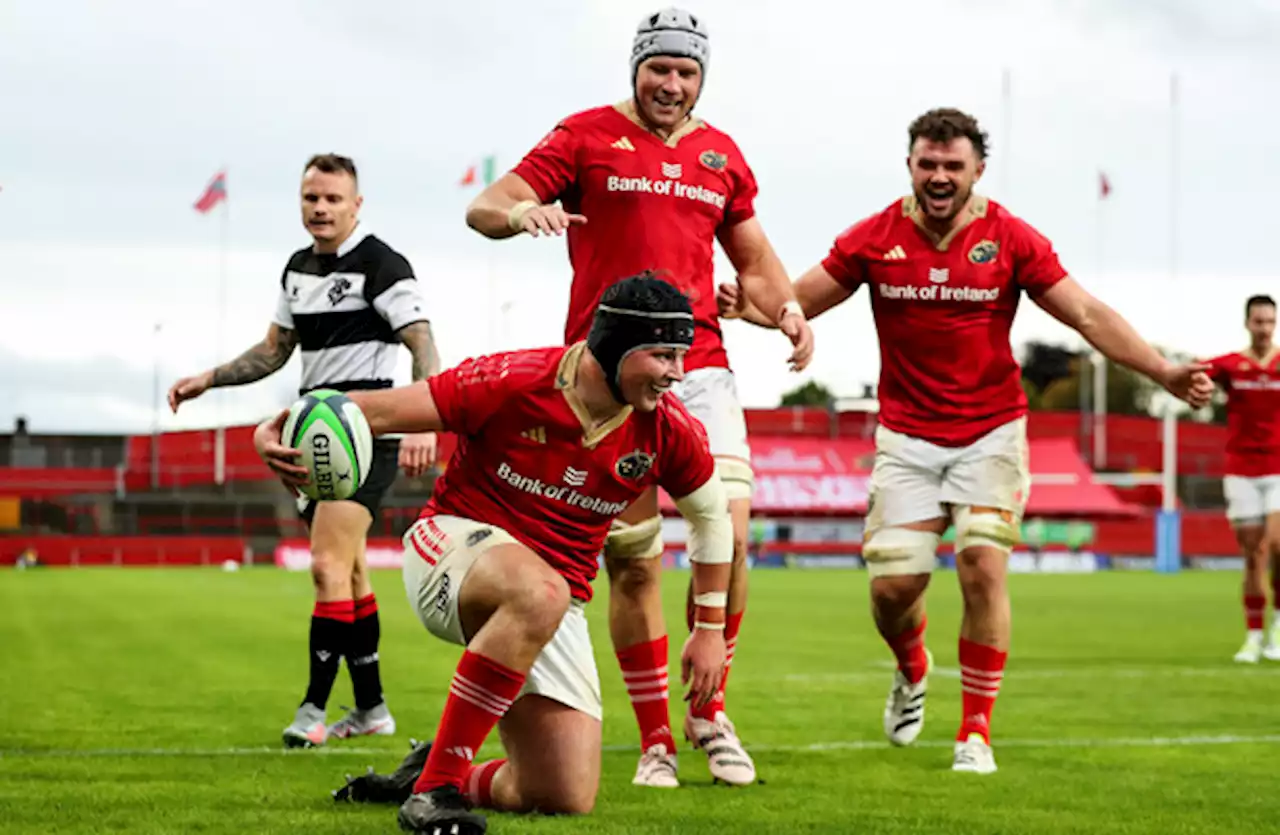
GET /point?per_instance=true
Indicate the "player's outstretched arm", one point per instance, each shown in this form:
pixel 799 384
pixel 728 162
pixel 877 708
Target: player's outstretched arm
pixel 404 409
pixel 1109 332
pixel 511 206
pixel 706 510
pixel 764 283
pixel 262 360
pixel 816 291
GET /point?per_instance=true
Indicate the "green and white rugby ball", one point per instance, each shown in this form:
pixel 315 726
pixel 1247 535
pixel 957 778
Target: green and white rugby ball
pixel 336 445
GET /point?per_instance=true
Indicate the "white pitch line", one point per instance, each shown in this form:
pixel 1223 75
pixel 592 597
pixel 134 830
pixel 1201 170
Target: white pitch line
pixel 54 753
pixel 1080 672
pixel 815 747
pixel 1118 742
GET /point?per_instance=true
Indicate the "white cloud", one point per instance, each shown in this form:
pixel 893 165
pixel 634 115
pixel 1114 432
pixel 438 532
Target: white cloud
pixel 118 119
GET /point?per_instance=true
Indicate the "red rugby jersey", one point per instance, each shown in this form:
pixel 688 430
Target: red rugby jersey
pixel 525 463
pixel 649 204
pixel 943 310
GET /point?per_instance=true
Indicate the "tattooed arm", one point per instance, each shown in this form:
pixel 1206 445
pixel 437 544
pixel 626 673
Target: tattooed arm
pixel 422 344
pixel 418 452
pixel 262 360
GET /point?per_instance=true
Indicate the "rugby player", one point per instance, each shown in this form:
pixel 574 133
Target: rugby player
pixel 644 184
pixel 554 443
pixel 1251 379
pixel 346 300
pixel 945 268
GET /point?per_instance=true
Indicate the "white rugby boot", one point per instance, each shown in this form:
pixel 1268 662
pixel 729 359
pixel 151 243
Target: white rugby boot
pixel 308 729
pixel 657 769
pixel 1271 651
pixel 1251 651
pixel 974 756
pixel 374 721
pixel 904 708
pixel 728 761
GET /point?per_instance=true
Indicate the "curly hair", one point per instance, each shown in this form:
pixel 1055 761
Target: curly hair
pixel 944 124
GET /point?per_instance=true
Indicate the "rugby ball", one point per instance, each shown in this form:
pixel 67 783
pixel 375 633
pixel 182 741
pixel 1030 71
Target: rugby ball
pixel 336 445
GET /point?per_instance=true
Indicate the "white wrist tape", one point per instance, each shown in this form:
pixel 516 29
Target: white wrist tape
pixel 710 529
pixel 711 627
pixel 711 599
pixel 792 306
pixel 515 216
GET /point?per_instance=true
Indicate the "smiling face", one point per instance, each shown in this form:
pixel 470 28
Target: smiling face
pixel 330 207
pixel 647 374
pixel 942 176
pixel 666 89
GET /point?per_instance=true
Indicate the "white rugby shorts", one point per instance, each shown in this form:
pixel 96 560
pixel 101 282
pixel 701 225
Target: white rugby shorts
pixel 1251 499
pixel 913 480
pixel 565 670
pixel 711 396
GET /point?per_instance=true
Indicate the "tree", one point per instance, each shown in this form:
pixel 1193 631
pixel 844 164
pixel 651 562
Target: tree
pixel 1054 375
pixel 1043 363
pixel 810 394
pixel 1128 393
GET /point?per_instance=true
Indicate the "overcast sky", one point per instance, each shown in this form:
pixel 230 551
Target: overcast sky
pixel 116 116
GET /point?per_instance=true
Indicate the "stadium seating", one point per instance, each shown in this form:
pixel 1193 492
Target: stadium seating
pixel 190 520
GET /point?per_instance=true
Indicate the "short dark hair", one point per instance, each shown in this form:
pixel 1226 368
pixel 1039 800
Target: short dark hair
pixel 647 292
pixel 1261 298
pixel 332 164
pixel 943 124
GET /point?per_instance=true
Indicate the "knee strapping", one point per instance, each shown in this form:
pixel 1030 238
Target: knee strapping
pixel 892 552
pixel 989 529
pixel 640 541
pixel 738 478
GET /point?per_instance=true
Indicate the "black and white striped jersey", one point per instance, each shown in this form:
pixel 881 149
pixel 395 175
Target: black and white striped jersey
pixel 346 308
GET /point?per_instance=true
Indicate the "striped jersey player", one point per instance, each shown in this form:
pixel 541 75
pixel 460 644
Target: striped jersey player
pixel 348 301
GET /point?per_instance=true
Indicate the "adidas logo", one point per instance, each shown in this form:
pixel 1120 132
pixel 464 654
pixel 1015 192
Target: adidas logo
pixel 462 752
pixel 895 254
pixel 537 434
pixel 623 144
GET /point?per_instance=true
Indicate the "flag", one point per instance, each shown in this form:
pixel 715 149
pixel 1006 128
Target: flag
pixel 214 193
pixel 487 169
pixel 1104 186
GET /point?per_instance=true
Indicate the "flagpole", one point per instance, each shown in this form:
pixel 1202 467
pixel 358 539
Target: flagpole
pixel 489 174
pixel 1006 106
pixel 1099 361
pixel 224 252
pixel 1174 153
pixel 492 347
pixel 155 407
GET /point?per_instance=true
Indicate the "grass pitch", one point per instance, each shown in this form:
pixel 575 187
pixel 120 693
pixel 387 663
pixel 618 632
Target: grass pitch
pixel 151 701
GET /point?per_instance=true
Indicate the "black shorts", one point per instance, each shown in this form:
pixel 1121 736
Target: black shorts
pixel 382 474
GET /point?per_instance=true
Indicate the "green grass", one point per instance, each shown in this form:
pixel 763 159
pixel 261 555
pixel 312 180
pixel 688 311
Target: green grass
pixel 149 701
